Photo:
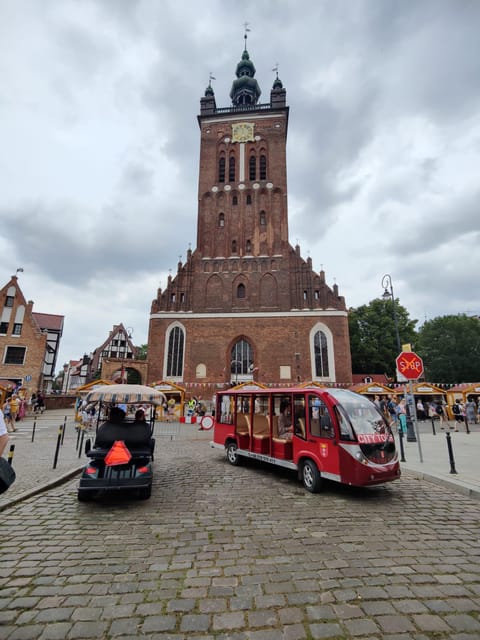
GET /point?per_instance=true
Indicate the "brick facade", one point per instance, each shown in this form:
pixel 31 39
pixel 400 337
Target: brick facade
pixel 244 281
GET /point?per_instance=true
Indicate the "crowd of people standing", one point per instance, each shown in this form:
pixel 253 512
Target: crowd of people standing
pixel 395 410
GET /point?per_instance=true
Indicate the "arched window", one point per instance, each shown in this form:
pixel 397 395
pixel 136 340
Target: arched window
pixel 241 291
pixel 234 200
pixel 176 341
pixel 252 164
pixel 248 247
pixel 263 167
pixel 234 246
pixel 320 346
pixel 221 220
pixel 231 169
pixel 241 360
pixel 221 169
pixel 249 199
pixel 263 218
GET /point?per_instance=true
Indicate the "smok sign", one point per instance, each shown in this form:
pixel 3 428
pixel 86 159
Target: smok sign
pixel 409 365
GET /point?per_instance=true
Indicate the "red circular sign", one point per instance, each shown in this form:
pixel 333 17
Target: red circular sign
pixel 409 365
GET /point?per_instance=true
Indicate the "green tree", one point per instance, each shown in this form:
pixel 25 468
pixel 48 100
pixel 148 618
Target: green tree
pixel 142 352
pixel 373 339
pixel 450 348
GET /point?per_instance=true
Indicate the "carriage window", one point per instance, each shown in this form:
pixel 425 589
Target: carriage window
pixel 320 421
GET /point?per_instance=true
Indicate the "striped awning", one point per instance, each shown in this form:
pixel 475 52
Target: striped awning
pixel 126 394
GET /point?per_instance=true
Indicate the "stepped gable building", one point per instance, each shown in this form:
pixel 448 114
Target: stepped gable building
pixel 245 305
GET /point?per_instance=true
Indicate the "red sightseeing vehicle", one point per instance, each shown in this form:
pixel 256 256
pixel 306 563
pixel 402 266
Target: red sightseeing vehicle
pixel 321 433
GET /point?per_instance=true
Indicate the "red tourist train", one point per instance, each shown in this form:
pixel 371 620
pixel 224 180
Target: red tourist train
pixel 331 434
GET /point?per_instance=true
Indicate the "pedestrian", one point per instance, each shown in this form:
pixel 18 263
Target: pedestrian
pixel 3 433
pixel 440 412
pixel 421 416
pixel 402 416
pixel 470 411
pixel 458 413
pixel 14 408
pixel 8 417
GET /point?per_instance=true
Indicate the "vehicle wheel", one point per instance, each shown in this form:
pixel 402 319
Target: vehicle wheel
pixel 84 496
pixel 232 455
pixel 144 494
pixel 312 480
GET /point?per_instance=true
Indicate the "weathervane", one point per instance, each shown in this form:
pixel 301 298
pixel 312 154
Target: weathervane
pixel 275 69
pixel 247 30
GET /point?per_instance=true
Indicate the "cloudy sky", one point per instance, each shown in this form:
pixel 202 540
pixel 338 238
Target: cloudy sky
pixel 100 144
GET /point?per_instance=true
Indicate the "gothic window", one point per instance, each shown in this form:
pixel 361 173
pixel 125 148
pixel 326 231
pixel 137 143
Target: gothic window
pixel 241 359
pixel 176 341
pixel 317 294
pixel 263 167
pixel 305 295
pixel 234 246
pixel 221 220
pixel 234 200
pixel 321 355
pixel 263 218
pixel 241 291
pixel 248 247
pixel 221 169
pixel 249 199
pixel 231 169
pixel 252 164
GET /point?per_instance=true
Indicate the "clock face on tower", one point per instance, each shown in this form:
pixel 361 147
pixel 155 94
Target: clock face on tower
pixel 243 132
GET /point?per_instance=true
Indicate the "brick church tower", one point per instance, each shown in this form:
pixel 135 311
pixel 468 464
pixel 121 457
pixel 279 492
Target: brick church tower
pixel 245 305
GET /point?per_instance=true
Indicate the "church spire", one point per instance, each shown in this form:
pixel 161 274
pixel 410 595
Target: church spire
pixel 245 89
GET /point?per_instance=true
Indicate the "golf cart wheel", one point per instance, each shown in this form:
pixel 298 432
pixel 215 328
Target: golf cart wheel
pixel 84 496
pixel 311 478
pixel 144 494
pixel 232 455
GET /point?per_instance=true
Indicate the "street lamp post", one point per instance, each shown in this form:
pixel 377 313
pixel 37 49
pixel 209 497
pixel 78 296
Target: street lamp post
pixel 388 295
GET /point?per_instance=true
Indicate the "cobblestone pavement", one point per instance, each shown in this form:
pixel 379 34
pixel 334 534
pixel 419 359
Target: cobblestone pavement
pixel 241 553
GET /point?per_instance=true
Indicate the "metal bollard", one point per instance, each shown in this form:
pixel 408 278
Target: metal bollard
pixel 402 450
pixel 10 454
pixel 33 430
pixel 64 428
pixel 57 449
pixel 79 429
pixel 450 453
pixel 433 427
pixel 80 449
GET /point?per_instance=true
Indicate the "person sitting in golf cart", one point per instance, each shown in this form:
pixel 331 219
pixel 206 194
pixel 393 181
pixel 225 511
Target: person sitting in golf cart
pixel 136 435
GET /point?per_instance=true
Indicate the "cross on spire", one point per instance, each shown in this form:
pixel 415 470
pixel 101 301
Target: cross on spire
pixel 245 25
